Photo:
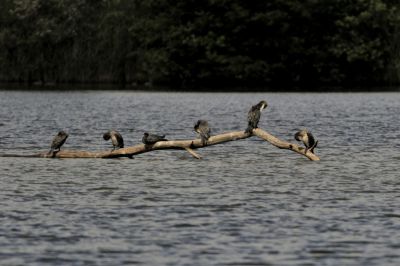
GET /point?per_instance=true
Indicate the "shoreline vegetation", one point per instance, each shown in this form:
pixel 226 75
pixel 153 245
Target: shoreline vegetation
pixel 13 86
pixel 191 45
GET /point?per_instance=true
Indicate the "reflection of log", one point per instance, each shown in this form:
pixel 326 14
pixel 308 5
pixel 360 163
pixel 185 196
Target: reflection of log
pixel 188 145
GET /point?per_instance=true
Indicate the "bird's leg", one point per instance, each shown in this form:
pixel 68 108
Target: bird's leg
pixel 203 140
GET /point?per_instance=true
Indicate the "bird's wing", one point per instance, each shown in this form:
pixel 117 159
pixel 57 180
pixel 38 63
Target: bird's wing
pixel 254 117
pixel 58 141
pixel 311 139
pixel 120 140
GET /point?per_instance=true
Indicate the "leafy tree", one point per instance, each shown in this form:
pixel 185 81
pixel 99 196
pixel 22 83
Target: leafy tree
pixel 203 42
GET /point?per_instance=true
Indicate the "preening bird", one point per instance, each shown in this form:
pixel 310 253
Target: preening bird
pixel 307 138
pixel 58 141
pixel 116 139
pixel 150 139
pixel 253 116
pixel 203 129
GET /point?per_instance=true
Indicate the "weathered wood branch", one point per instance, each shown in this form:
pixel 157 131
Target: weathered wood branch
pixel 188 145
pixel 193 153
pixel 284 145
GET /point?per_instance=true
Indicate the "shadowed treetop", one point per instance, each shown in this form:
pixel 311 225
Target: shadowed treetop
pixel 207 42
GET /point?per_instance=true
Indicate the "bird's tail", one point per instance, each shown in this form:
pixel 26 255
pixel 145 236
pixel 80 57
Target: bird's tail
pixel 249 129
pixel 51 152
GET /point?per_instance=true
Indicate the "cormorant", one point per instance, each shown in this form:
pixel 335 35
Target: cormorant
pixel 150 139
pixel 58 141
pixel 307 138
pixel 254 115
pixel 116 139
pixel 203 129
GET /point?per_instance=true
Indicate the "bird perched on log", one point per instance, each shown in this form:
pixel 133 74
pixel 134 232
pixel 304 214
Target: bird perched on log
pixel 204 130
pixel 307 138
pixel 116 139
pixel 150 139
pixel 58 141
pixel 253 116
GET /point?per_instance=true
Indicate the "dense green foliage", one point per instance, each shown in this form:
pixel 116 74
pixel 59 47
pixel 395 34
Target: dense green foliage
pixel 202 42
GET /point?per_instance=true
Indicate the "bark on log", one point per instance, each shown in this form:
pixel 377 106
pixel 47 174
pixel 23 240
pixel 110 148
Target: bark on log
pixel 188 145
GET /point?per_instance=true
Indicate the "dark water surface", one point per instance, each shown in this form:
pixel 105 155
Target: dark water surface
pixel 245 203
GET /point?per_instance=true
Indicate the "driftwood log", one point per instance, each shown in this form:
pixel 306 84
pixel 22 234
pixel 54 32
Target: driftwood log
pixel 188 145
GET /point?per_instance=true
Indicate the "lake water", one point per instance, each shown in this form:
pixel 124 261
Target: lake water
pixel 245 203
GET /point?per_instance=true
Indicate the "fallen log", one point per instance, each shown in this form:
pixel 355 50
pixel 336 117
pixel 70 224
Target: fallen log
pixel 188 145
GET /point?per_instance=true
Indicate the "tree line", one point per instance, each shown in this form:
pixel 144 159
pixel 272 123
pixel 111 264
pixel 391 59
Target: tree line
pixel 184 43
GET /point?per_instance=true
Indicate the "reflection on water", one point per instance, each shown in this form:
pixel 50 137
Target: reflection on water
pixel 245 203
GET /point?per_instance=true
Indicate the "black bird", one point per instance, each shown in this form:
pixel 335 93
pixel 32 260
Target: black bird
pixel 116 139
pixel 58 141
pixel 253 116
pixel 203 129
pixel 150 139
pixel 307 138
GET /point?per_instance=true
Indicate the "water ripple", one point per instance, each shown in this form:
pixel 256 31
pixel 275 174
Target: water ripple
pixel 245 203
